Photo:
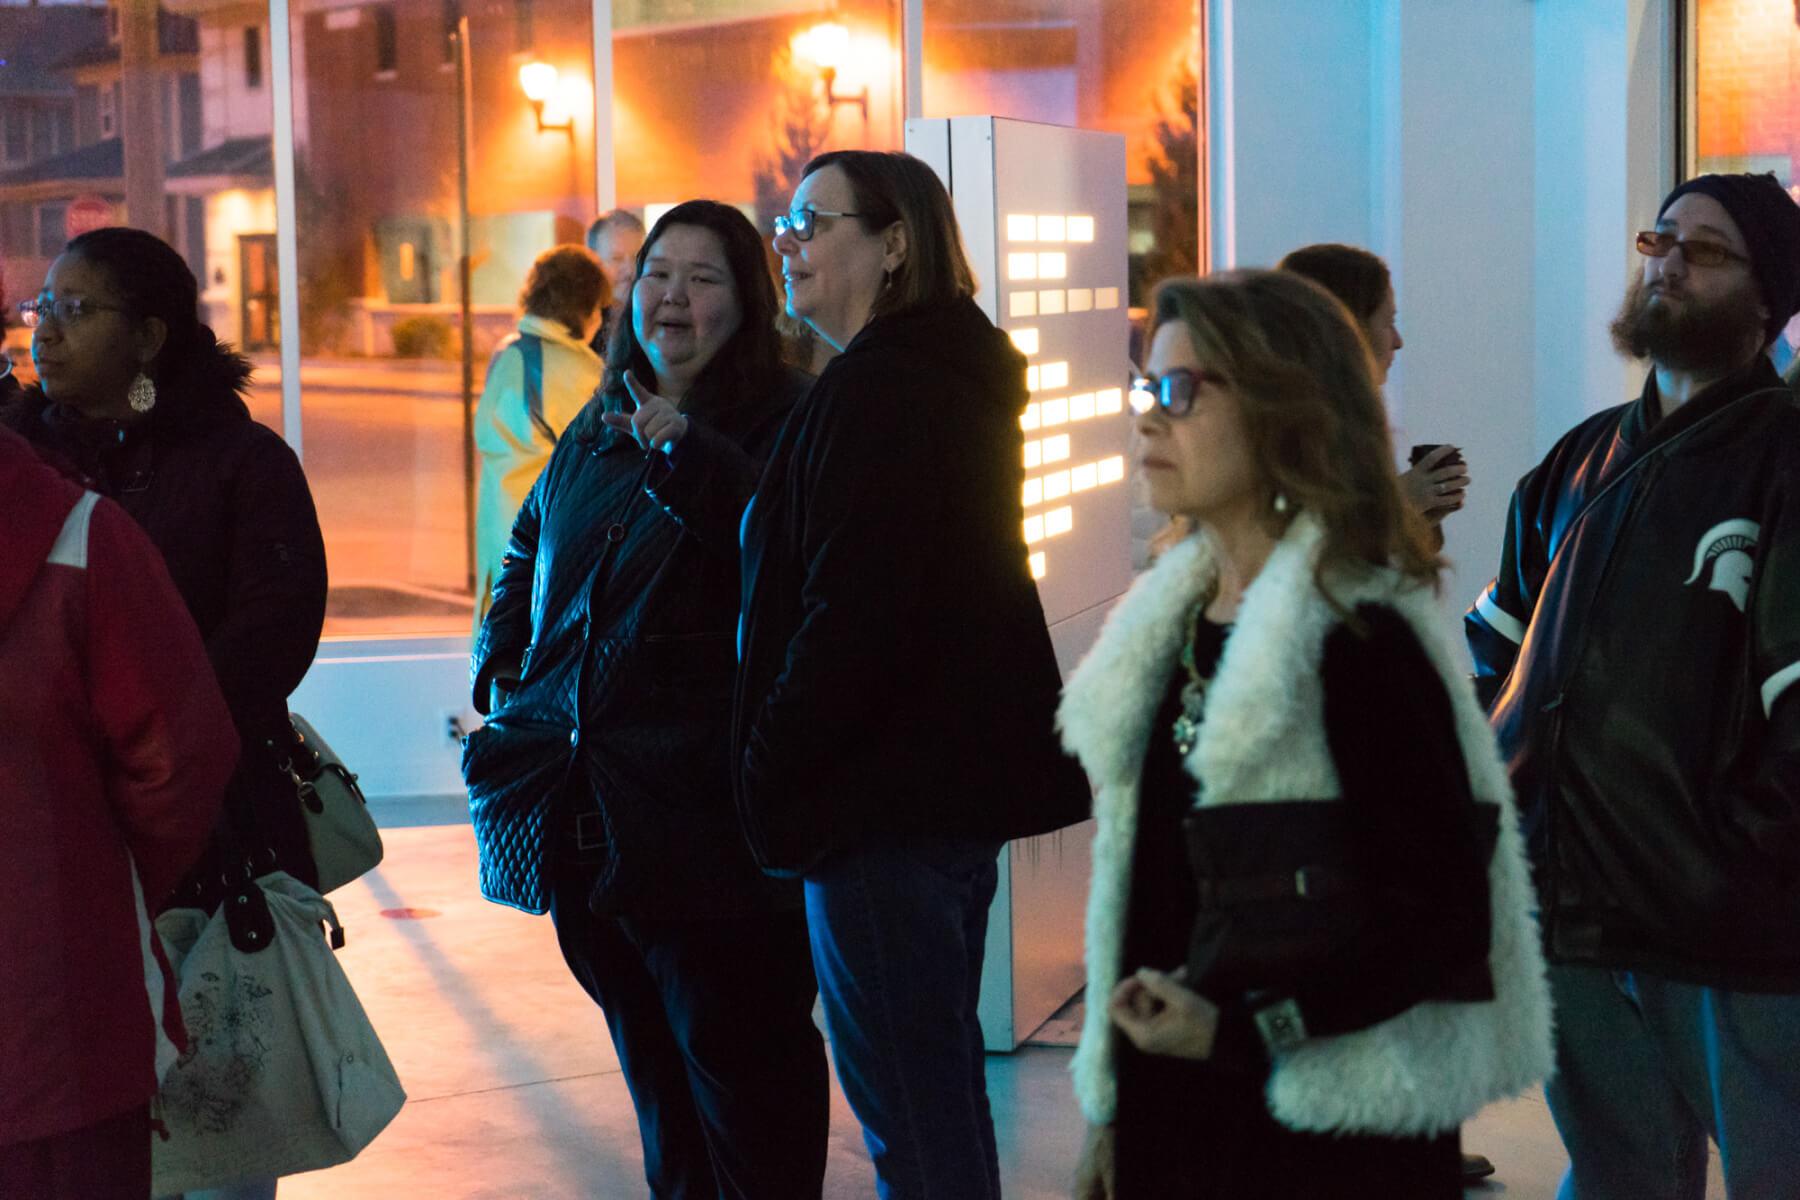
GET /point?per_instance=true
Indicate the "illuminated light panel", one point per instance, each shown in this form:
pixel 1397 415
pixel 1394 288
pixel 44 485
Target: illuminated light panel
pixel 1109 402
pixel 1054 264
pixel 1021 266
pixel 1028 420
pixel 1021 228
pixel 1056 486
pixel 1106 297
pixel 1034 493
pixel 1057 448
pixel 1081 407
pixel 1034 530
pixel 1059 520
pixel 1080 229
pixel 1034 455
pixel 1051 229
pixel 1022 304
pixel 1050 302
pixel 1084 477
pixel 1112 469
pixel 1037 565
pixel 1031 379
pixel 1054 412
pixel 1026 340
pixel 1054 375
pixel 1081 299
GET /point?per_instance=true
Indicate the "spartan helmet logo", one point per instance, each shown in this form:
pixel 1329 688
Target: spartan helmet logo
pixel 1727 547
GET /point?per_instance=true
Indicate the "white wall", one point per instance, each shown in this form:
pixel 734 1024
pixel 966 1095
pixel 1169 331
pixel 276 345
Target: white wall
pixel 382 704
pixel 1498 154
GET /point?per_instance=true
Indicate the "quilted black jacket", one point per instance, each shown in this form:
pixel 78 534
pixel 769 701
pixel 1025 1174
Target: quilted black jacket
pixel 1641 647
pixel 636 659
pixel 897 676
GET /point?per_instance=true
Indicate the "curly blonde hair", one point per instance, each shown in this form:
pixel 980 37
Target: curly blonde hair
pixel 1295 359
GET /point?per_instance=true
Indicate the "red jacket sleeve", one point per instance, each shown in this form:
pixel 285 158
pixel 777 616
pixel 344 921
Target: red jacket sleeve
pixel 170 738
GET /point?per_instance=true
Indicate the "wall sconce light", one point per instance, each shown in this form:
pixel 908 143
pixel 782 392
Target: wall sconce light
pixel 825 46
pixel 548 102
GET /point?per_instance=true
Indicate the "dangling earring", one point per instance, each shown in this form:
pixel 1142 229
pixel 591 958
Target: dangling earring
pixel 142 395
pixel 1281 504
pixel 887 278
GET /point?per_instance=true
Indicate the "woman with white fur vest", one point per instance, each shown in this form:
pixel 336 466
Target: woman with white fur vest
pixel 1311 953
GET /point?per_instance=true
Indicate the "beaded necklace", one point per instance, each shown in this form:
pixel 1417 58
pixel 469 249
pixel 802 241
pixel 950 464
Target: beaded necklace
pixel 1193 693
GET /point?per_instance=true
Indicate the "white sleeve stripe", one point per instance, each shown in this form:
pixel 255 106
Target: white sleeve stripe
pixel 1778 683
pixel 1501 621
pixel 71 545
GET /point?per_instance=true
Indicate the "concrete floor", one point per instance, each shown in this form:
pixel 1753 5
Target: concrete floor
pixel 515 1093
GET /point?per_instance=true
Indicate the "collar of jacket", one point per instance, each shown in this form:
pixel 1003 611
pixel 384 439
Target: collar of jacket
pixel 1644 428
pixel 552 330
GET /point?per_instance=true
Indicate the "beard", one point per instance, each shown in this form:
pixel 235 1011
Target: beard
pixel 1701 337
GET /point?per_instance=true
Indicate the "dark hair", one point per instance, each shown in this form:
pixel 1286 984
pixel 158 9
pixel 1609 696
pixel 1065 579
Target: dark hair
pixel 566 284
pixel 1300 369
pixel 751 353
pixel 888 187
pixel 152 280
pixel 1355 276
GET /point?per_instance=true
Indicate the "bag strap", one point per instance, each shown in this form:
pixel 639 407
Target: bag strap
pixel 531 351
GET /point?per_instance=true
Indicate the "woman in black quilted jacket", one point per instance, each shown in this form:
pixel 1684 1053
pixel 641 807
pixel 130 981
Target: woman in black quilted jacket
pixel 601 785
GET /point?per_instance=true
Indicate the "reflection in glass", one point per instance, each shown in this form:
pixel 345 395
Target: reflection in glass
pixel 379 96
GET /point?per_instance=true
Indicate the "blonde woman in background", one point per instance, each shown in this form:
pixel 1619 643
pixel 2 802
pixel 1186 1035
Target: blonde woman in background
pixel 536 384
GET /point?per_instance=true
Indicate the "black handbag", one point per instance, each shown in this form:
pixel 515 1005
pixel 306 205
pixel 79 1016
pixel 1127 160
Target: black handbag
pixel 516 767
pixel 1279 893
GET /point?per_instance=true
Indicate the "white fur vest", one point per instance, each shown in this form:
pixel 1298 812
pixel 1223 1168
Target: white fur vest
pixel 1263 737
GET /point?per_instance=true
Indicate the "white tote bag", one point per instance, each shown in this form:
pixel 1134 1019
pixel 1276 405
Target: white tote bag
pixel 283 1072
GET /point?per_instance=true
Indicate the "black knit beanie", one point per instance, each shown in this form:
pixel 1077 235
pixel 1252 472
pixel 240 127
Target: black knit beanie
pixel 1770 222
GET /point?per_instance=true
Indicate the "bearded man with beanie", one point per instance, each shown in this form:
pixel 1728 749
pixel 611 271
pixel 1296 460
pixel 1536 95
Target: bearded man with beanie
pixel 1640 653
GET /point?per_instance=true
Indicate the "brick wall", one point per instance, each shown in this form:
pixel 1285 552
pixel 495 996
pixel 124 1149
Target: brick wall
pixel 1748 103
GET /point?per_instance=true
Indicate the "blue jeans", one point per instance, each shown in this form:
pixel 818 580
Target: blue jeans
pixel 1647 1069
pixel 898 934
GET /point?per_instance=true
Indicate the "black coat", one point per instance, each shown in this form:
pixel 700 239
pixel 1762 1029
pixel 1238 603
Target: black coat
pixel 896 674
pixel 619 596
pixel 225 501
pixel 1643 692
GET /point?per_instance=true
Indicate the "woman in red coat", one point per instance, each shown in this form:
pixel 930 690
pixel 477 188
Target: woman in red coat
pixel 117 749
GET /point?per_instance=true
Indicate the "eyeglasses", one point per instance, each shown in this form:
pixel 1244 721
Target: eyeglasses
pixel 1656 244
pixel 63 312
pixel 800 222
pixel 1172 392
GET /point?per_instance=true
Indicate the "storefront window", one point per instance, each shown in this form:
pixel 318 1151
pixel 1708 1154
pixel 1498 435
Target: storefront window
pixel 728 99
pixel 1746 97
pixel 1128 66
pixel 94 91
pixel 379 94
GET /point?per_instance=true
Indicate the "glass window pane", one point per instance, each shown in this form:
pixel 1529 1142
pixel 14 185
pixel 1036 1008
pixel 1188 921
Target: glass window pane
pixel 728 99
pixel 377 165
pixel 1128 66
pixel 1747 99
pixel 207 183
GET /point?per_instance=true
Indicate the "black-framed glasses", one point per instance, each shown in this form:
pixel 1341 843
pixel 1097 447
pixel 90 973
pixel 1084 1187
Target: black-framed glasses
pixel 1173 391
pixel 63 312
pixel 802 222
pixel 1654 243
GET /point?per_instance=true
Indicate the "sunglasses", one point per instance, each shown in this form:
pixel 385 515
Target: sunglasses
pixel 802 222
pixel 1655 244
pixel 1173 392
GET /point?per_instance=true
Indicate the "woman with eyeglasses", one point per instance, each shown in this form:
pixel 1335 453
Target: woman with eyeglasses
pixel 604 771
pixel 896 683
pixel 142 399
pixel 1310 947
